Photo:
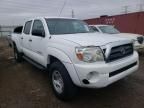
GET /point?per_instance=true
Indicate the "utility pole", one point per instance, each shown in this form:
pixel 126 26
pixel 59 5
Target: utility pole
pixel 125 9
pixel 141 9
pixel 73 15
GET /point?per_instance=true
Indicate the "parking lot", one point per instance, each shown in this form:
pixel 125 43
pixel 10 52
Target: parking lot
pixel 24 86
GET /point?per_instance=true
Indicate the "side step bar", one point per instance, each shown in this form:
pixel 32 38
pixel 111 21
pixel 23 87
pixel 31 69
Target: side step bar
pixel 34 63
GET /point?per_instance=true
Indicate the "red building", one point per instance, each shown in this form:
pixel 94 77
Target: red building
pixel 128 23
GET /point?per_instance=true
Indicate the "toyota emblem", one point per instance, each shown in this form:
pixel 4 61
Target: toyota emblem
pixel 123 51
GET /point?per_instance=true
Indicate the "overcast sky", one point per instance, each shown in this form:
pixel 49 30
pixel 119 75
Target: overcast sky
pixel 13 12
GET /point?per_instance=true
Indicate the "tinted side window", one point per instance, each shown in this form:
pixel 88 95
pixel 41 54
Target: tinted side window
pixel 38 26
pixel 27 27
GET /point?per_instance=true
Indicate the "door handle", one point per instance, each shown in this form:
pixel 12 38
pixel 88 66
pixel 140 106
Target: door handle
pixel 30 40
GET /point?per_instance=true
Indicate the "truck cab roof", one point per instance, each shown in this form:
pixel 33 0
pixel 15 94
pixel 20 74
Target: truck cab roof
pixel 47 17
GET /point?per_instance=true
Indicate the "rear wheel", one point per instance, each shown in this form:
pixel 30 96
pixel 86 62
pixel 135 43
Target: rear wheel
pixel 17 55
pixel 61 82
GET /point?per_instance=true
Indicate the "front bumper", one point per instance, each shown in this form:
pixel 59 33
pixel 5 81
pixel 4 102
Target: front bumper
pixel 100 77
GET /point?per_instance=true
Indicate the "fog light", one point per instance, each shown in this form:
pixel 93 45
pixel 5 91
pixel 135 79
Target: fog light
pixel 92 76
pixel 85 81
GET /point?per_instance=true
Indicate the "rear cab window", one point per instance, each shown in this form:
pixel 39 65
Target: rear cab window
pixel 27 27
pixel 18 30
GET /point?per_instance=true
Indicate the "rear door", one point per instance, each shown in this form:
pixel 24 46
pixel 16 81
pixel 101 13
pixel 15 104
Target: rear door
pixel 25 38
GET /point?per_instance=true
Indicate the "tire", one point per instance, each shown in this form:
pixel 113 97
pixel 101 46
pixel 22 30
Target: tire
pixel 61 82
pixel 17 55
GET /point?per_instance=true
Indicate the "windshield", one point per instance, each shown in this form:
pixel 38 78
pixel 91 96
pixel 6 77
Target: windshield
pixel 67 26
pixel 109 29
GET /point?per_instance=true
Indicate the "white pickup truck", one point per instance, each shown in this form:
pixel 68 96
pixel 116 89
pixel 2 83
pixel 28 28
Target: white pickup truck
pixel 74 55
pixel 110 29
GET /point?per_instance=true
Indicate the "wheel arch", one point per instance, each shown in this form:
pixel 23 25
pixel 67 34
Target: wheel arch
pixel 57 55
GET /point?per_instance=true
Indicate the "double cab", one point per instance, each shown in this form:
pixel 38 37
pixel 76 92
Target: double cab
pixel 73 54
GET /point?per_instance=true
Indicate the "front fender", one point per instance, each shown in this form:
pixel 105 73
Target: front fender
pixel 59 54
pixel 65 59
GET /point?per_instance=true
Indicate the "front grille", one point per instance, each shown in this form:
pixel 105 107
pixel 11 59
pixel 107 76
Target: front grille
pixel 119 52
pixel 122 69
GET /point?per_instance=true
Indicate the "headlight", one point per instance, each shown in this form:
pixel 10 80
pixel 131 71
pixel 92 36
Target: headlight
pixel 140 39
pixel 89 54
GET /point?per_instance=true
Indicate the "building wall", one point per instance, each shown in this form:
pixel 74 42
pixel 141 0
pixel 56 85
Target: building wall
pixel 129 23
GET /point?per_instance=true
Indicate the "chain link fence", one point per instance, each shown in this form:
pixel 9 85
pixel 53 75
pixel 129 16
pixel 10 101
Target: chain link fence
pixel 6 30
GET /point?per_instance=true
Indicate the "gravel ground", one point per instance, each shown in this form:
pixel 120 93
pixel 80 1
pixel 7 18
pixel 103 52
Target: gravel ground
pixel 24 86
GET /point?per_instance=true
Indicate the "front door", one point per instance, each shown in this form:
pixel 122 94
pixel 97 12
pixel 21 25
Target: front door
pixel 38 40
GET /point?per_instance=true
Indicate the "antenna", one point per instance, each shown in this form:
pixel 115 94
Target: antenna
pixel 59 16
pixel 62 7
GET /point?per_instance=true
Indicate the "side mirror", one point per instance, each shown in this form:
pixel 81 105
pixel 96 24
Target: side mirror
pixel 38 33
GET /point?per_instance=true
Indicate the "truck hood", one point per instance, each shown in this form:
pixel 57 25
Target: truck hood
pixel 88 39
pixel 128 35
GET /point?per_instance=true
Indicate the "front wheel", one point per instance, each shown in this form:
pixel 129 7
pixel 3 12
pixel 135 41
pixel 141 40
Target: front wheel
pixel 61 82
